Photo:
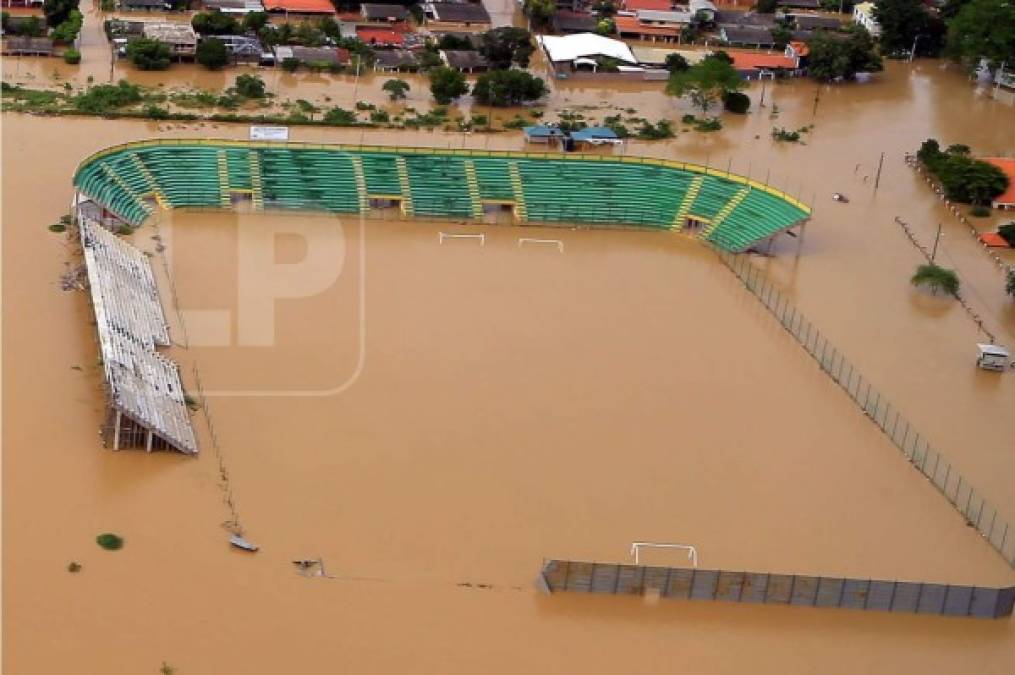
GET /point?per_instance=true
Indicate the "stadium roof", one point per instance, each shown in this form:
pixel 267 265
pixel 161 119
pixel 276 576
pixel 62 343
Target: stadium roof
pixel 571 47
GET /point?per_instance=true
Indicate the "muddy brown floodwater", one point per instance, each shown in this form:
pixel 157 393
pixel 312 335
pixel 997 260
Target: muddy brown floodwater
pixel 503 403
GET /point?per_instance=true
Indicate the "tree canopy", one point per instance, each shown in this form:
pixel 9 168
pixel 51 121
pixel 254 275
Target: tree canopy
pixel 58 11
pixel 447 84
pixel 215 23
pixel 835 58
pixel 902 22
pixel 675 63
pixel 396 88
pixel 540 11
pixel 963 178
pixel 148 54
pixel 212 54
pixel 508 87
pixel 507 45
pixel 705 82
pixel 983 29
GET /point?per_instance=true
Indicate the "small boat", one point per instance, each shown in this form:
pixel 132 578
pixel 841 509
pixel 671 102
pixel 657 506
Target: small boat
pixel 241 543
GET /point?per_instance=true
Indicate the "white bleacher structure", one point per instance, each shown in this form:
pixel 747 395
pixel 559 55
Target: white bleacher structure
pixel 146 398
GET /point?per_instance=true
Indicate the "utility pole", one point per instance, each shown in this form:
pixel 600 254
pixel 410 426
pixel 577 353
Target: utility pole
pixel 912 52
pixel 877 178
pixel 998 77
pixel 761 103
pixel 937 238
pixel 817 97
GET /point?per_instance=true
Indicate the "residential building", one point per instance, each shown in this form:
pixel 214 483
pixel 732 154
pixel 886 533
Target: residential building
pixel 143 5
pixel 234 6
pixel 863 15
pixel 574 22
pixel 755 65
pixel 27 46
pixel 456 16
pixel 179 37
pixel 814 22
pixel 299 7
pixel 1005 200
pixel 587 52
pixel 747 36
pixel 396 60
pixel 377 13
pixel 465 61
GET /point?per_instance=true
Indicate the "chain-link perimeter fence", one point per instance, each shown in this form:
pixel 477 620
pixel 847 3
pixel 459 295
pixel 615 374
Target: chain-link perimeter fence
pixel 970 503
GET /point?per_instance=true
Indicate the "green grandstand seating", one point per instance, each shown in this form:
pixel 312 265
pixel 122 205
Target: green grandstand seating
pixel 550 189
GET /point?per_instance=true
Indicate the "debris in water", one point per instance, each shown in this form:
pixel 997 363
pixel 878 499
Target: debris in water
pixel 839 197
pixel 312 568
pixel 239 542
pixel 74 567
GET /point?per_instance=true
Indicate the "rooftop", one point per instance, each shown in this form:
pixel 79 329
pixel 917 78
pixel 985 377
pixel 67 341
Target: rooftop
pixel 630 24
pixel 300 6
pixel 757 60
pixel 381 12
pixel 659 5
pixel 464 59
pixel 754 35
pixel 561 48
pixel 1007 165
pixel 459 12
pixel 380 36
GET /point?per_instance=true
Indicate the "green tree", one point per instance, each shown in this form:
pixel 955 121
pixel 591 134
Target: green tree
pixel 606 26
pixel 675 63
pixel 736 102
pixel 705 82
pixel 147 54
pixel 540 11
pixel 72 56
pixel 502 88
pixel 454 42
pixel 963 178
pixel 215 23
pixel 507 45
pixel 58 11
pixel 103 98
pixel 983 29
pixel 903 22
pixel 212 54
pixel 937 279
pixel 447 84
pixel 396 89
pixel 340 117
pixel 837 59
pixel 255 21
pixel 68 31
pixel 249 86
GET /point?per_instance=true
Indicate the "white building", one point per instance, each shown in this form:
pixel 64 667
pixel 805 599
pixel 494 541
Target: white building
pixel 863 15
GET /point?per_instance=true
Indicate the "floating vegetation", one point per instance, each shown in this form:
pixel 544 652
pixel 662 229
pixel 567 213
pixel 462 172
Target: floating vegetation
pixel 109 541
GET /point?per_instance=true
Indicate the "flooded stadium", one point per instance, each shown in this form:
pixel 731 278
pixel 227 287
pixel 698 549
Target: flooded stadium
pixel 474 406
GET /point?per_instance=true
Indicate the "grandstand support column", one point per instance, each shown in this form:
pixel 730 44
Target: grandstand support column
pixel 116 432
pixel 148 441
pixel 800 239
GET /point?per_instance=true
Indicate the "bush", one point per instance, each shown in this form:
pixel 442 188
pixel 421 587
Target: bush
pixel 57 227
pixel 979 211
pixel 1010 286
pixel 104 98
pixel 653 132
pixel 155 112
pixel 736 102
pixel 936 278
pixel 340 117
pixel 148 54
pixel 72 56
pixel 212 54
pixel 249 86
pixel 109 541
pixel 380 117
pixel 290 64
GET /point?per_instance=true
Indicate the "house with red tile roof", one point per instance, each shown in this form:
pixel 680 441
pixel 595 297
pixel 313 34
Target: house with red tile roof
pixel 299 6
pixel 1005 200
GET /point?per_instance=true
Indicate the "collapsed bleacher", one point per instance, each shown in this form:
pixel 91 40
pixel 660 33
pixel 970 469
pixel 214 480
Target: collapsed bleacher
pixel 146 397
pixel 730 212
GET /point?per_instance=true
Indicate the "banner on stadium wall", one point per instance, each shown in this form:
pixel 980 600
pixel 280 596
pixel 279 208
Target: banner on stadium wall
pixel 269 133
